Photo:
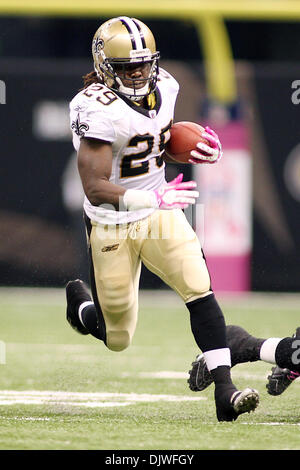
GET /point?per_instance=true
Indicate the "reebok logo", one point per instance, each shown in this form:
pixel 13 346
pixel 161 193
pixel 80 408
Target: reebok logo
pixel 110 247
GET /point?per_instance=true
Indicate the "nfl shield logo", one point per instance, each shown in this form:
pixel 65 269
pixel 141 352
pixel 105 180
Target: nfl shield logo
pixel 152 113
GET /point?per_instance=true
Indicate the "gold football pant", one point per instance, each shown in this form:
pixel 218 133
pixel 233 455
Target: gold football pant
pixel 166 244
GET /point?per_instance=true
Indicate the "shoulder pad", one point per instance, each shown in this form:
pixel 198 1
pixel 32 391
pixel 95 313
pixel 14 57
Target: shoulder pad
pixel 98 98
pixel 166 78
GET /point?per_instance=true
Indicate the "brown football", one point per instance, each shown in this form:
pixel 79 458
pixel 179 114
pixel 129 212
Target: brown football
pixel 184 137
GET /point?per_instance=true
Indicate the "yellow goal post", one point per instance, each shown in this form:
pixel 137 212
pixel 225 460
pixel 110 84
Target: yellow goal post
pixel 208 16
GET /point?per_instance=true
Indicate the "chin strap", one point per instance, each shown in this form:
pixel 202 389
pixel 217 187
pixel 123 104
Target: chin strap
pixel 139 93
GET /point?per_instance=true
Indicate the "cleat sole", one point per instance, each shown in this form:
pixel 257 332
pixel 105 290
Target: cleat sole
pixel 245 401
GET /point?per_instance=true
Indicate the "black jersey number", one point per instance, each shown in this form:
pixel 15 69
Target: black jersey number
pixel 129 168
pixel 106 97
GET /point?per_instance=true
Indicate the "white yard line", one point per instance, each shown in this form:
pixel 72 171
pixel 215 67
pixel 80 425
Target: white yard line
pixel 24 401
pixel 272 424
pixel 25 418
pixel 84 399
pixel 167 374
pixel 59 394
pixel 160 297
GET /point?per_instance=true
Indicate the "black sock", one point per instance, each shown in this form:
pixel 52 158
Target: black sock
pixel 90 320
pixel 209 330
pixel 207 323
pixel 221 375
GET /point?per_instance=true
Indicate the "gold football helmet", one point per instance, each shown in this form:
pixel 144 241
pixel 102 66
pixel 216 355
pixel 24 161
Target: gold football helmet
pixel 122 44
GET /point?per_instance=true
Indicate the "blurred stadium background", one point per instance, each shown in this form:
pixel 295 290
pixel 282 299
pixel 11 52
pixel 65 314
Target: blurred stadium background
pixel 238 67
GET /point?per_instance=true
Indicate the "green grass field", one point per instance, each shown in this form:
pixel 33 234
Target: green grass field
pixel 60 390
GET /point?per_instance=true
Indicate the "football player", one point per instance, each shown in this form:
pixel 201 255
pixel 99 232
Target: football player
pixel 283 352
pixel 120 122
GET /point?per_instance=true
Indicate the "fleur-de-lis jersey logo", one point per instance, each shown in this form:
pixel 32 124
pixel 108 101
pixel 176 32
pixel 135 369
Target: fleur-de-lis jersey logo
pixel 79 128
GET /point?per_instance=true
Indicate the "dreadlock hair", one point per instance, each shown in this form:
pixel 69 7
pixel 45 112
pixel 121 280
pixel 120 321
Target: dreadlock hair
pixel 90 78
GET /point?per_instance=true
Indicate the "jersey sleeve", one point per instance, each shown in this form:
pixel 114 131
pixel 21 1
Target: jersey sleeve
pixel 90 120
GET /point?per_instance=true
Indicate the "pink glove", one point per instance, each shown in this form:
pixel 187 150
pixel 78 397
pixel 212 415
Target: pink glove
pixel 176 195
pixel 207 153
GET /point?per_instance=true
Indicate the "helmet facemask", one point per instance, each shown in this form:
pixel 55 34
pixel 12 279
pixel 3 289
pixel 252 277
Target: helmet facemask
pixel 115 75
pixel 120 45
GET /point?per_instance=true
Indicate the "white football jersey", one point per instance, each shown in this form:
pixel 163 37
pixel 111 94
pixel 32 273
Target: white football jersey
pixel 137 135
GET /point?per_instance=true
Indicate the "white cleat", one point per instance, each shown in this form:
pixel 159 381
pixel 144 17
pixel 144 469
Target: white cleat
pixel 245 401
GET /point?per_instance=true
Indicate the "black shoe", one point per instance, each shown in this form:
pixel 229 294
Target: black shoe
pixel 243 348
pixel 280 379
pixel 199 376
pixel 232 403
pixel 76 293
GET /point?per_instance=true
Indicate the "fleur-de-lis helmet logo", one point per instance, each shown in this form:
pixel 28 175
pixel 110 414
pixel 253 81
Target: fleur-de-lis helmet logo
pixel 98 45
